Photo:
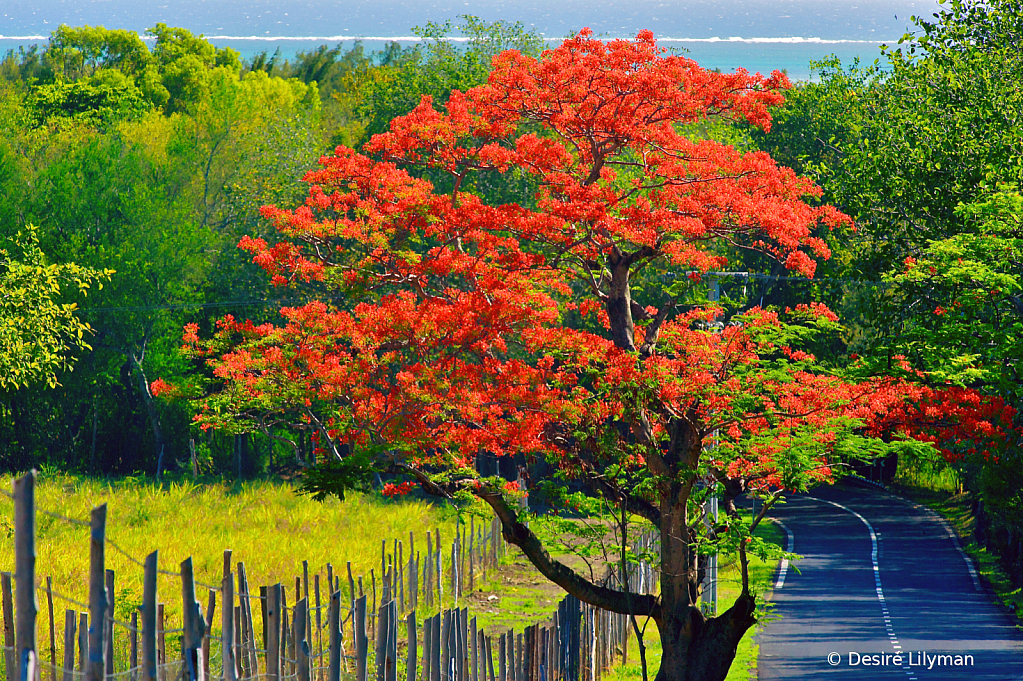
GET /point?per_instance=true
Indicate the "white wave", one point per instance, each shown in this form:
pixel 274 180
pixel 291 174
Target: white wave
pixel 797 40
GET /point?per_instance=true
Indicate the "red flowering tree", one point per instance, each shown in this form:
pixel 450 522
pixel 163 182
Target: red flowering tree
pixel 562 327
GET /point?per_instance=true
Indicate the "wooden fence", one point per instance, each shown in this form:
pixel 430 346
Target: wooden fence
pixel 323 636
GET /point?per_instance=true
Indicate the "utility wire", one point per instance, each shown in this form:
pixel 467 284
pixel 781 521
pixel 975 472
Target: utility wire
pixel 249 303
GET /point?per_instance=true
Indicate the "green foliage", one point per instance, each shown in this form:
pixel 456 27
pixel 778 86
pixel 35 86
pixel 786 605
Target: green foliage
pixel 79 52
pixel 438 66
pixel 957 306
pixel 336 477
pixel 104 99
pixel 175 44
pixel 162 197
pixel 37 330
pixel 820 118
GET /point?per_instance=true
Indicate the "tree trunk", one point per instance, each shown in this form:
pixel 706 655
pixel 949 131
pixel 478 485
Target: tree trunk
pixel 147 398
pixel 699 649
pixel 694 648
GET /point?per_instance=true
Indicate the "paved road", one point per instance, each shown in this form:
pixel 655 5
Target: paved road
pixel 905 590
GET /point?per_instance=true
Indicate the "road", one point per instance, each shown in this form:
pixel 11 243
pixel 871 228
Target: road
pixel 907 589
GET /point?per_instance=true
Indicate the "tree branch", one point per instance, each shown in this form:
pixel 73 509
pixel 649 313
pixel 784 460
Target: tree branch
pixel 654 330
pixel 520 535
pixel 633 504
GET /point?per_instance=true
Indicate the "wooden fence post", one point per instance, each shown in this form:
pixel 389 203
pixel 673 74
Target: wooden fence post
pixel 83 644
pixel 399 573
pixel 412 653
pixel 559 659
pixel 70 626
pixel 440 570
pixel 428 571
pixel 108 622
pixel 361 639
pixel 263 611
pixel 229 654
pixel 194 626
pixel 272 635
pixel 25 575
pixel 474 646
pixel 502 658
pixel 9 659
pixel 250 663
pixel 472 548
pixel 445 647
pixel 319 618
pixel 149 659
pixel 302 638
pixel 133 653
pixel 53 638
pixel 334 633
pixel 239 651
pixel 97 595
pixel 391 646
pixel 463 647
pixel 161 642
pixel 435 652
pixel 211 610
pixel 287 635
pixel 427 649
pixel 490 656
pixel 380 644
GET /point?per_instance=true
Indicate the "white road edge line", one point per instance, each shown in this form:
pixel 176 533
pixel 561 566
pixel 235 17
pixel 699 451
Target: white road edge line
pixel 873 560
pixel 955 541
pixel 791 543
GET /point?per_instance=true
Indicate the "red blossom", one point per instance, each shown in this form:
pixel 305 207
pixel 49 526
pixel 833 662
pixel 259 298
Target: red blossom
pixel 161 387
pixel 401 489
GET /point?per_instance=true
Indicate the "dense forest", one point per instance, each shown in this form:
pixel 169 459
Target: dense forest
pixel 130 170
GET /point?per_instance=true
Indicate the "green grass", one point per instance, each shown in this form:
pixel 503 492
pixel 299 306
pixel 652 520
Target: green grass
pixel 266 525
pixel 942 494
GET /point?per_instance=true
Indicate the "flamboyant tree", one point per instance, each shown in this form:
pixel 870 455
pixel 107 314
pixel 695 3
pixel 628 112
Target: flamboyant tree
pixel 565 327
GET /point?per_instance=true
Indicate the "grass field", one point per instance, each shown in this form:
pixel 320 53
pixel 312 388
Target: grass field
pixel 266 525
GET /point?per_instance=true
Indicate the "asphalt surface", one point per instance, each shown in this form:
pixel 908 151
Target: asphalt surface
pixel 922 600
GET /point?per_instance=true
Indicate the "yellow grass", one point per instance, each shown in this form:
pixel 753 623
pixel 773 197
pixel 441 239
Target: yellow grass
pixel 267 526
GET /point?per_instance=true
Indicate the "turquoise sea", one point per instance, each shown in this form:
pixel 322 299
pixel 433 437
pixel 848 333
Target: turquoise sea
pixel 758 35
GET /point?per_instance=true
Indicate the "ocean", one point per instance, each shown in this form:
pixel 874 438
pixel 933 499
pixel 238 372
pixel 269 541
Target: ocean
pixel 758 35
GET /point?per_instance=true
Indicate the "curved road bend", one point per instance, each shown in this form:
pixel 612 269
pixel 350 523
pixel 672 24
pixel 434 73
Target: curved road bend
pixel 922 601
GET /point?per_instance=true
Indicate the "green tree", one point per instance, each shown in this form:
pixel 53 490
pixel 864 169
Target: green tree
pixel 38 331
pixel 79 52
pixel 438 65
pixel 946 123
